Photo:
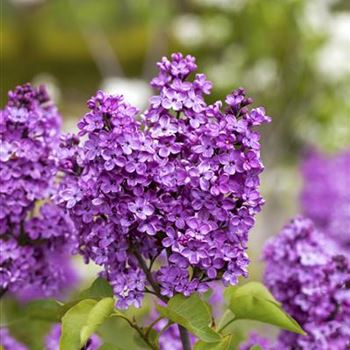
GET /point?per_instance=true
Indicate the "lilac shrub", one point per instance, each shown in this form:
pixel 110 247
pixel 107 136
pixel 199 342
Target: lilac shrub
pixel 164 200
pixel 34 245
pixel 326 195
pixel 313 286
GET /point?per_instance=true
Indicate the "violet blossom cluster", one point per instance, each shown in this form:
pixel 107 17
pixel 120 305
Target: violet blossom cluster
pixel 313 286
pixel 7 342
pixel 34 242
pixel 179 185
pixel 326 195
pixel 52 340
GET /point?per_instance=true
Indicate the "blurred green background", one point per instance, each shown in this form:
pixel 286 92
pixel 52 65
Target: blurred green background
pixel 293 57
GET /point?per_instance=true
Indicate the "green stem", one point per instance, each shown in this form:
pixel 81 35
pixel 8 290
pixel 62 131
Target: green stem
pixel 139 331
pixel 153 324
pixel 184 335
pixel 2 292
pixel 149 276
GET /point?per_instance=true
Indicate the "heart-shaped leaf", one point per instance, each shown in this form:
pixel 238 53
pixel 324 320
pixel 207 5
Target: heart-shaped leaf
pixel 253 301
pixel 98 314
pixel 193 314
pixel 82 320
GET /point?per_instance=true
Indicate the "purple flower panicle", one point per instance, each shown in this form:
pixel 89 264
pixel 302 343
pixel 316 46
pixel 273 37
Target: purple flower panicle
pixel 326 195
pixel 34 248
pixel 180 183
pixel 313 286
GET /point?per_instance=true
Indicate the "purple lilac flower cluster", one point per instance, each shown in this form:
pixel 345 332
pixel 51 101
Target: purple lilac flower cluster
pixel 9 343
pixel 33 259
pixel 52 340
pixel 313 286
pixel 326 195
pixel 180 185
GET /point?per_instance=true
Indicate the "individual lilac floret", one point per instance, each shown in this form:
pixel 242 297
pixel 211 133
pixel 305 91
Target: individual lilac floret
pixel 33 247
pixel 326 195
pixel 180 186
pixel 256 339
pixel 313 286
pixel 7 342
pixel 52 340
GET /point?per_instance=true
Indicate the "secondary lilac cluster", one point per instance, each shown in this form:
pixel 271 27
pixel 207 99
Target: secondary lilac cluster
pixel 52 340
pixel 180 185
pixel 34 243
pixel 313 286
pixel 326 194
pixel 7 342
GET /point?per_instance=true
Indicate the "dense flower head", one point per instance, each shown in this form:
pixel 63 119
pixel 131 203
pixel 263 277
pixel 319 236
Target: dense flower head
pixel 326 194
pixel 178 185
pixel 52 340
pixel 29 131
pixel 34 233
pixel 313 286
pixel 7 342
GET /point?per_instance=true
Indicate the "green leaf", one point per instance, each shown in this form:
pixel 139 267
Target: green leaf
pixel 225 320
pixel 45 309
pixel 98 314
pixel 152 338
pixel 253 301
pixel 81 321
pixel 253 288
pixel 108 346
pixel 99 289
pixel 193 314
pixel 72 323
pixel 224 344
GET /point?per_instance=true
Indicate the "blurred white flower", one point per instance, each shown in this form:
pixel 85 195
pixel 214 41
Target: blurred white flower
pixel 135 91
pixel 188 30
pixel 262 75
pixel 217 29
pixel 334 57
